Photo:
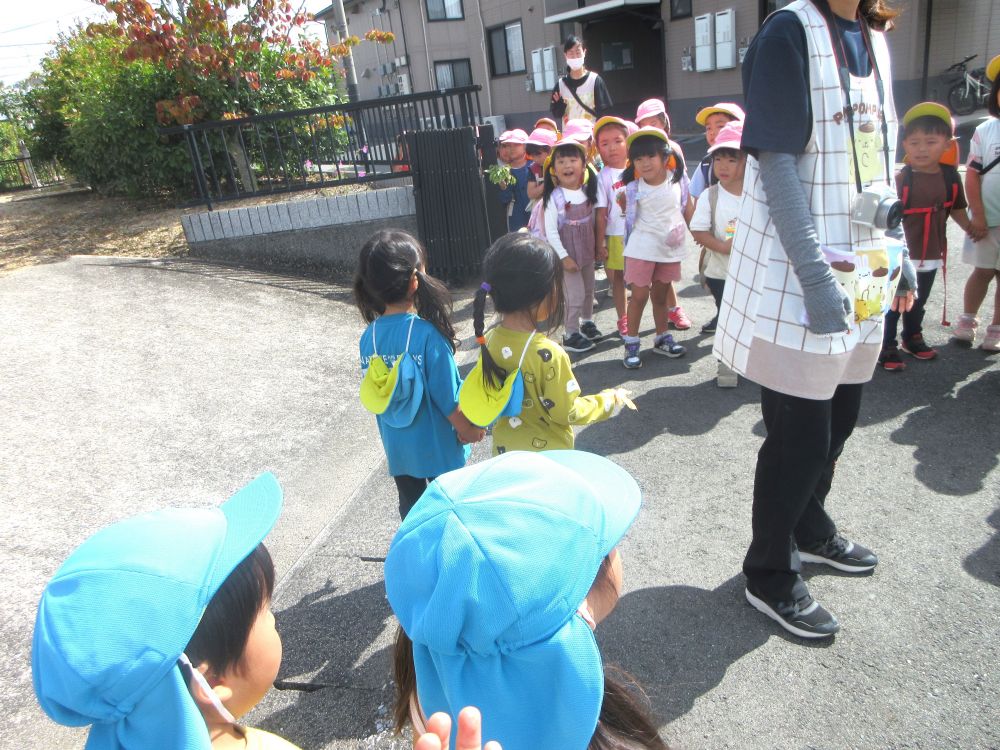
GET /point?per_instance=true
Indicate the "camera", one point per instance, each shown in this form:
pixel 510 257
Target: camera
pixel 877 207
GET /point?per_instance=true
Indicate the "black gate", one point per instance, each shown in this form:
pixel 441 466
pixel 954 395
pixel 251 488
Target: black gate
pixel 453 216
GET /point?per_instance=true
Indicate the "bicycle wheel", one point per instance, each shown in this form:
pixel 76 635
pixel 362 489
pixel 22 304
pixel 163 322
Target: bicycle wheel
pixel 961 99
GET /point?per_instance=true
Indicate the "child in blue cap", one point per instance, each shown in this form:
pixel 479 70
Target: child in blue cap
pixel 157 631
pixel 499 576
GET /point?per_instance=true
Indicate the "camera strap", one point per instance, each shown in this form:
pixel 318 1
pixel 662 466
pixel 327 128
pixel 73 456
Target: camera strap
pixel 845 87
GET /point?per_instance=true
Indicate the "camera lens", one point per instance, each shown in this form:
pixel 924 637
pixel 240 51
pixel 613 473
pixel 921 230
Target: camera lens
pixel 889 214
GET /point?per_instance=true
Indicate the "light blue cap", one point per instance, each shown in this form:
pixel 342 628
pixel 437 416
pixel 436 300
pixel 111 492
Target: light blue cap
pixel 486 574
pixel 115 618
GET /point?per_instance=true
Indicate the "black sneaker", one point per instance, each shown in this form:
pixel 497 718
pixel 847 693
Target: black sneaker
pixel 840 553
pixel 591 331
pixel 803 617
pixel 710 326
pixel 577 342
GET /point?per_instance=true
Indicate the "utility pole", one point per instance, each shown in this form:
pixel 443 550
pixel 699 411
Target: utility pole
pixel 340 19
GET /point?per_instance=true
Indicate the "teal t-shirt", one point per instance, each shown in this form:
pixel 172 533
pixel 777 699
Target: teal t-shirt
pixel 429 445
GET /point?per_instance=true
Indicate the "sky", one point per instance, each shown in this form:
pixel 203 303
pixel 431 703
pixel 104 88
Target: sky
pixel 28 28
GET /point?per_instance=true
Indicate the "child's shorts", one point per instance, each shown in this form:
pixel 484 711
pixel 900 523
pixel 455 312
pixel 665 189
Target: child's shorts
pixel 643 273
pixel 616 253
pixel 986 252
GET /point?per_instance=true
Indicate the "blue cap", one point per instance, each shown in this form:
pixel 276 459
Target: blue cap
pixel 486 574
pixel 117 615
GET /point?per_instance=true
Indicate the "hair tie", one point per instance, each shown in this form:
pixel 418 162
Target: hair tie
pixel 481 340
pixel 485 287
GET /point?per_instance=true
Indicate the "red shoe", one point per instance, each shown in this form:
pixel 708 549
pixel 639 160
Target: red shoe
pixel 678 319
pixel 915 347
pixel 890 360
pixel 623 326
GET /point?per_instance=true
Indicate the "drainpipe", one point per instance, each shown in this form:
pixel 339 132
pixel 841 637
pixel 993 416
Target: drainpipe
pixel 340 20
pixel 486 62
pixel 431 79
pixel 927 49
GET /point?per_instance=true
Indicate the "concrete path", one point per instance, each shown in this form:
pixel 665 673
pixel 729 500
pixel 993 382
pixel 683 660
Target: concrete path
pixel 128 385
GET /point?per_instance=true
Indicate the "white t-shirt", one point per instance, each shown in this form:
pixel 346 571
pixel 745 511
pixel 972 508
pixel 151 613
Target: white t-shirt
pixel 984 148
pixel 608 187
pixel 552 218
pixel 659 231
pixel 727 210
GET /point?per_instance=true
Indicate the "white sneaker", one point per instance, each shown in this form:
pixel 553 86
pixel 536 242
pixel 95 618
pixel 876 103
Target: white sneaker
pixel 991 342
pixel 965 328
pixel 725 377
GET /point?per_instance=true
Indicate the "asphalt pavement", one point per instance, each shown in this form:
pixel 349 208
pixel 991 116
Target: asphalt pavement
pixel 127 385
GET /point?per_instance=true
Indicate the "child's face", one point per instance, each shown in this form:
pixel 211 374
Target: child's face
pixel 713 124
pixel 538 153
pixel 656 121
pixel 503 151
pixel 515 152
pixel 653 169
pixel 611 146
pixel 568 170
pixel 924 150
pixel 250 680
pixel 728 169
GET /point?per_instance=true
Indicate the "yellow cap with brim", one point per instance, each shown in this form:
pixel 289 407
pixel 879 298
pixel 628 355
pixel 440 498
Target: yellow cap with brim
pixel 609 120
pixel 928 109
pixel 647 130
pixel 722 108
pixel 483 405
pixel 993 68
pixel 394 393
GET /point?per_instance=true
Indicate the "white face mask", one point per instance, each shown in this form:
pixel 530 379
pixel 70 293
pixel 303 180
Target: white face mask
pixel 575 63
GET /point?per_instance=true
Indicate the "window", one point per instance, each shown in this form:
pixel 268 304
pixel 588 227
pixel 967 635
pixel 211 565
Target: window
pixel 506 49
pixel 444 10
pixel 543 68
pixel 680 9
pixel 453 74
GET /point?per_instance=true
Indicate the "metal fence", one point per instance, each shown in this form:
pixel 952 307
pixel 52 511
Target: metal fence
pixel 318 147
pixel 25 173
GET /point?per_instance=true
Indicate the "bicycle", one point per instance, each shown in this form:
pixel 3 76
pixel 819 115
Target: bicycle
pixel 970 90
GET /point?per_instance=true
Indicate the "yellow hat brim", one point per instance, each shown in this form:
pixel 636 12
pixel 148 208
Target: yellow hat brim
pixel 378 385
pixel 609 120
pixel 481 404
pixel 993 68
pixel 655 132
pixel 928 109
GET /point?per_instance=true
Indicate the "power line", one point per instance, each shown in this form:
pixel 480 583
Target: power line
pixel 29 44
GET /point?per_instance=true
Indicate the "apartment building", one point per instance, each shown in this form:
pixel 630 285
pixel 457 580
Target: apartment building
pixel 688 51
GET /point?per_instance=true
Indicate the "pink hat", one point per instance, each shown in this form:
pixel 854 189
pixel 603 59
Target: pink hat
pixel 541 137
pixel 652 108
pixel 579 129
pixel 631 127
pixel 514 136
pixel 729 137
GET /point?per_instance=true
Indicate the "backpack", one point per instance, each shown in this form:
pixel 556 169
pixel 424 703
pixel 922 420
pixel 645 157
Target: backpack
pixel 536 222
pixel 713 201
pixel 951 187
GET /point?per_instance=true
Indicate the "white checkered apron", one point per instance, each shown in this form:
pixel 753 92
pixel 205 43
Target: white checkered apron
pixel 762 304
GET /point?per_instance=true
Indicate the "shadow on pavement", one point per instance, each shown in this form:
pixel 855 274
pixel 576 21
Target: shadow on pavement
pixel 955 436
pixel 679 641
pixel 984 563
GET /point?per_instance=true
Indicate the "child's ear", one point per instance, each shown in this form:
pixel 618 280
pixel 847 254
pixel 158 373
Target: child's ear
pixel 210 695
pixel 414 283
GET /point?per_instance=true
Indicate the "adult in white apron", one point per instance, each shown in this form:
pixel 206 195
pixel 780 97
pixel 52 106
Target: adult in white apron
pixel 581 94
pixel 803 303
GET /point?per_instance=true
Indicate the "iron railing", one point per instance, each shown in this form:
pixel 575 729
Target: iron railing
pixel 23 173
pixel 305 149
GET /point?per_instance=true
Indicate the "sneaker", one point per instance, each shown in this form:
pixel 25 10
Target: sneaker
pixel 725 377
pixel 840 553
pixel 665 345
pixel 631 360
pixel 965 328
pixel 991 342
pixel 803 617
pixel 915 347
pixel 678 319
pixel 588 329
pixel 623 326
pixel 890 360
pixel 577 342
pixel 710 326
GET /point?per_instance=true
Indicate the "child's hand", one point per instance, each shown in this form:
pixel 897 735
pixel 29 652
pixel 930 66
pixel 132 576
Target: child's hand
pixel 727 247
pixel 902 302
pixel 977 228
pixel 569 265
pixel 602 253
pixel 616 398
pixel 471 434
pixel 470 732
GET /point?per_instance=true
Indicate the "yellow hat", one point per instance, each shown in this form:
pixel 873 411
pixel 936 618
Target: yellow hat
pixel 722 108
pixel 610 120
pixel 648 130
pixel 993 68
pixel 929 109
pixel 482 404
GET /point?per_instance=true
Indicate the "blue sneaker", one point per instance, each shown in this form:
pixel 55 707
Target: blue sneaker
pixel 664 344
pixel 632 361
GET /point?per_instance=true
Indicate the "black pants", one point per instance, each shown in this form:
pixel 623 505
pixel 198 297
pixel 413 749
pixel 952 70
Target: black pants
pixel 793 477
pixel 716 286
pixel 912 320
pixel 410 489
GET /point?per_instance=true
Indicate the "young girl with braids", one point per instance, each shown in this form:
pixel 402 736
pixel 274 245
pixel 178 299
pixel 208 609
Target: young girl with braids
pixel 413 390
pixel 523 383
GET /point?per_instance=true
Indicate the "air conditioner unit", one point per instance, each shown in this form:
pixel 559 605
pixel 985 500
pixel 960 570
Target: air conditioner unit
pixel 704 43
pixel 725 39
pixel 403 82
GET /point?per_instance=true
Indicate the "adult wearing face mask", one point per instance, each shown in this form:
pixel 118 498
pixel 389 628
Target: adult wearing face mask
pixel 581 93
